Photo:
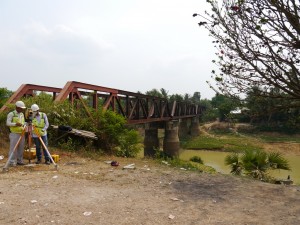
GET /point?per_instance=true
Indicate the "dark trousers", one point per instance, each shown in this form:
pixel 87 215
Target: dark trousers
pixel 38 146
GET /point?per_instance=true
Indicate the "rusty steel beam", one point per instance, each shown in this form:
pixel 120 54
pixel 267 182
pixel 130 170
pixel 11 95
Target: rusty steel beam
pixel 28 89
pixel 71 85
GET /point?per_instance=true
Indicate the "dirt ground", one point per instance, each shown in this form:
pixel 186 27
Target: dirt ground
pixel 84 191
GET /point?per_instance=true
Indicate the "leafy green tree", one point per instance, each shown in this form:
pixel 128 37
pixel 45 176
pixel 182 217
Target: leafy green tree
pixel 155 92
pixel 258 44
pixel 256 164
pixel 4 95
pixel 164 93
pixel 176 97
pixel 272 112
pixel 210 113
pixel 196 97
pixel 224 105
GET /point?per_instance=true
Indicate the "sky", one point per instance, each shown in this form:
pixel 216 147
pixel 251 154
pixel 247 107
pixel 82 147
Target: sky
pixel 132 45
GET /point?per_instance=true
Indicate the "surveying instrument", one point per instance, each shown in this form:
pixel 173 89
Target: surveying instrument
pixel 29 128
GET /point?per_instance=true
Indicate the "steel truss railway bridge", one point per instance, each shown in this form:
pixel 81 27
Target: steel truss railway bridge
pixel 177 118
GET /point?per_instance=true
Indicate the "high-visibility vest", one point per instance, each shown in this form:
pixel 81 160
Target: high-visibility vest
pixel 15 119
pixel 39 125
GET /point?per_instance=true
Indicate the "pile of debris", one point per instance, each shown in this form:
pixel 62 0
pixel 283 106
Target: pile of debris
pixel 70 130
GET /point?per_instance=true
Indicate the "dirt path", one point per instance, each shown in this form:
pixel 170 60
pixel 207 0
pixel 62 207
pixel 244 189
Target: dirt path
pixel 86 191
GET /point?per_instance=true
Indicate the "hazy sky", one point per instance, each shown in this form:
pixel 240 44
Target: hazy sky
pixel 132 45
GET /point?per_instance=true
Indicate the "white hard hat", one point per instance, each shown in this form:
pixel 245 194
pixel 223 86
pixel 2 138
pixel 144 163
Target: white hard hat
pixel 35 107
pixel 20 104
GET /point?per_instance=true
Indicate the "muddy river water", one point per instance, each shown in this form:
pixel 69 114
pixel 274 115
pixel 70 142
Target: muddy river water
pixel 217 160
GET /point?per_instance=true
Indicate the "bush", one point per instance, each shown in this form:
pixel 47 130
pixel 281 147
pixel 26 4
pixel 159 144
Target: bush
pixel 129 144
pixel 197 159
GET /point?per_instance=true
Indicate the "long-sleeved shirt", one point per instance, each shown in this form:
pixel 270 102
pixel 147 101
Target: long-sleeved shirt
pixel 10 116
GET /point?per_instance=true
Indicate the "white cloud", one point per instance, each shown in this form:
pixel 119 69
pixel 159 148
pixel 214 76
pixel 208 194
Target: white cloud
pixel 130 45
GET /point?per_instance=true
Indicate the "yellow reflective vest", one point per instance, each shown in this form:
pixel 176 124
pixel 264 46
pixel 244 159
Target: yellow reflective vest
pixel 15 119
pixel 39 125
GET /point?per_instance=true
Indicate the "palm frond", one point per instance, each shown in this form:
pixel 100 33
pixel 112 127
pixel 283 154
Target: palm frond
pixel 277 161
pixel 233 161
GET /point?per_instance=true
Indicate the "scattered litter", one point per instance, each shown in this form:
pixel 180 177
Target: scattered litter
pixel 33 201
pixel 165 162
pixel 1 157
pixel 171 216
pixel 129 166
pixel 54 177
pixel 214 201
pixel 146 167
pixel 175 199
pixel 108 162
pixel 183 168
pixel 114 163
pixel 87 213
pixel 1 203
pixel 76 172
pixel 31 165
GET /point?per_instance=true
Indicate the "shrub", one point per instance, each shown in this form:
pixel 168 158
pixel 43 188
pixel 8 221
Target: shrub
pixel 256 164
pixel 108 126
pixel 197 159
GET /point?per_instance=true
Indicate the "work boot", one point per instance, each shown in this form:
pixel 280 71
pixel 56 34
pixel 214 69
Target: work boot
pixel 47 162
pixel 38 161
pixel 20 163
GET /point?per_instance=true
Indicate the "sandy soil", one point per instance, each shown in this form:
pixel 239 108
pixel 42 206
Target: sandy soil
pixel 85 191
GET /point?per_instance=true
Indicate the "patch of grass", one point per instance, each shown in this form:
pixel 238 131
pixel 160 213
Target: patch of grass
pixel 275 138
pixel 203 142
pixel 193 166
pixel 228 142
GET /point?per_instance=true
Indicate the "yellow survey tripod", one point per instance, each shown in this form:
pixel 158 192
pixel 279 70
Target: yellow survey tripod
pixel 29 128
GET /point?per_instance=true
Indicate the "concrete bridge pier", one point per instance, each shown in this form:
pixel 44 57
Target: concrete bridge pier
pixel 171 145
pixel 151 141
pixel 195 129
pixel 184 128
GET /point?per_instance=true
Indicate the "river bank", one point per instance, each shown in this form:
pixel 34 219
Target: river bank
pixel 90 191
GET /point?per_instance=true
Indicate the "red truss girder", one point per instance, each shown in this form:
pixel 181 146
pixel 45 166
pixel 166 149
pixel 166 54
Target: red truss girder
pixel 26 90
pixel 135 107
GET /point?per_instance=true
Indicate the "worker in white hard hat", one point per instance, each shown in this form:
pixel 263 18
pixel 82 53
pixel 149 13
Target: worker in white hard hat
pixel 15 121
pixel 40 121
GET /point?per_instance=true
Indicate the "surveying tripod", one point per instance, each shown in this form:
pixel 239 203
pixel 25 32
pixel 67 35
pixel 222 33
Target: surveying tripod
pixel 30 128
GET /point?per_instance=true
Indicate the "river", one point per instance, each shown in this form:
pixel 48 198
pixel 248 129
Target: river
pixel 216 160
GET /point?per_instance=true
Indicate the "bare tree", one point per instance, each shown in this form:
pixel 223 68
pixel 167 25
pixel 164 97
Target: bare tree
pixel 258 44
